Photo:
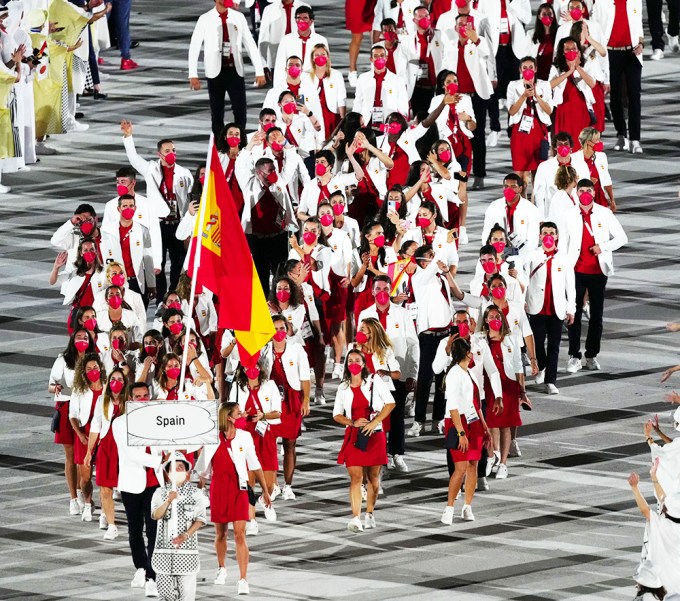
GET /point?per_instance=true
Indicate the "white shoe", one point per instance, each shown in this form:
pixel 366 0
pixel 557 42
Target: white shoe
pixel 354 524
pixel 337 371
pixel 636 147
pixel 369 521
pixel 111 532
pixel 73 507
pixel 390 462
pixel 364 492
pixel 5 189
pixel 80 499
pixel 573 365
pixel 103 524
pixel 447 515
pixel 621 143
pixel 502 472
pixel 150 588
pixel 483 483
pixel 42 150
pixel 380 488
pixel 303 428
pixel 352 78
pixel 275 493
pixel 657 55
pixel 492 140
pixel 674 43
pixel 140 579
pixel 87 513
pixel 252 529
pixel 269 512
pixel 80 127
pixel 502 103
pixel 400 464
pixel 462 236
pixel 466 514
pixel 319 397
pixel 592 364
pixel 540 377
pixel 221 576
pixel 551 389
pixel 243 588
pixel 492 463
pixel 415 429
pixel 440 426
pixel 288 494
pixel 514 449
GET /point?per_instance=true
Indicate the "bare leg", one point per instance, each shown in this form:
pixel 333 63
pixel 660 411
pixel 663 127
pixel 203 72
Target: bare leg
pixel 470 481
pixel 506 438
pixel 270 479
pixel 251 483
pixel 289 459
pixel 221 543
pixel 85 478
pixel 496 435
pixel 242 553
pixel 456 480
pixel 462 210
pixel 373 474
pixel 356 476
pixel 70 470
pixel 354 49
pixel 108 507
pixel 338 341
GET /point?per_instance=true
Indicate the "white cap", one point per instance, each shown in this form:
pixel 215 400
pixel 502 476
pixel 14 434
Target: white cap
pixel 179 456
pixel 36 18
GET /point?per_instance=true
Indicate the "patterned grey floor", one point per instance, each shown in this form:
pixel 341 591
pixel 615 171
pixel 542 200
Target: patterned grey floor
pixel 562 526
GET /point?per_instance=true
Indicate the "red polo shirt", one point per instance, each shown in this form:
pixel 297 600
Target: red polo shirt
pixel 620 36
pixel 587 262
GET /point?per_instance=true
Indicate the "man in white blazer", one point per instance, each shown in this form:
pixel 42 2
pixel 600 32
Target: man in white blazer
pixel 380 92
pixel 551 300
pixel 400 11
pixel 602 234
pixel 83 223
pixel 621 25
pixel 399 326
pixel 167 184
pixel 277 20
pixel 223 32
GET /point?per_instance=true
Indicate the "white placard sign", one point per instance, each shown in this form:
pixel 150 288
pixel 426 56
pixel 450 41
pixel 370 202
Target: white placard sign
pixel 170 424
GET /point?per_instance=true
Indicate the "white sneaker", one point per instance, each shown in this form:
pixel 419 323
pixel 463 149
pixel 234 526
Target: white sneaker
pixel 319 397
pixel 81 127
pixel 447 515
pixel 514 449
pixel 354 524
pixel 551 389
pixel 243 588
pixel 483 483
pixel 390 462
pixel 352 78
pixel 150 588
pixel 80 499
pixel 73 507
pixel 288 494
pixel 540 377
pixel 636 147
pixel 415 429
pixel 466 514
pixel 369 521
pixel 573 365
pixel 87 513
pixel 275 493
pixel 42 150
pixel 364 492
pixel 221 576
pixel 5 189
pixel 657 55
pixel 502 472
pixel 440 426
pixel 492 140
pixel 621 143
pixel 103 523
pixel 111 532
pixel 400 464
pixel 674 43
pixel 462 236
pixel 337 371
pixel 492 463
pixel 592 364
pixel 303 428
pixel 502 103
pixel 140 579
pixel 269 512
pixel 252 529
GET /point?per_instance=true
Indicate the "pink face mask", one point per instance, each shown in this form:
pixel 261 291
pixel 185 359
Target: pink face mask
pixel 118 279
pixel 115 302
pixel 320 169
pixel 563 150
pixel 320 60
pixel 89 256
pixel 598 146
pixel 360 337
pixel 499 246
pixel 276 147
pixel 423 221
pixel 267 126
pixel 252 372
pixel 548 241
pixel 283 295
pixel 303 25
pixel 86 227
pixel 116 386
pixel 571 55
pixel 495 324
pixel 309 238
pixel 546 20
pixel 272 178
pixel 452 88
pixel 576 14
pixel 172 373
pixel 509 194
pixel 380 63
pixel 463 330
pixel 90 324
pixel 355 368
pixel 128 213
pixel 201 178
pixel 390 36
pixel 175 328
pixel 528 74
pixel 489 267
pixel 280 335
pixel 290 108
pixel 585 198
pixel 121 189
pixel 390 128
pixel 461 3
pixel 171 158
pixel 233 141
pixel 498 293
pixel 326 220
pixel 240 423
pixel 379 241
pixel 151 350
pixel 174 305
pixel 338 209
pixel 424 22
pixel 382 297
pixel 294 71
pixel 81 345
pixel 445 156
pixel 93 375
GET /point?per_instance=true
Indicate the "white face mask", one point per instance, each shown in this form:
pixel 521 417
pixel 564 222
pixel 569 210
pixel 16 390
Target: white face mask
pixel 178 478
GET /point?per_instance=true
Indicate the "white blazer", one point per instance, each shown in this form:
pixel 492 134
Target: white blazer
pixel 443 193
pixel 133 461
pixel 62 374
pixel 390 257
pixel 604 11
pixel 268 395
pixel 525 221
pixel 601 164
pixel 515 91
pixel 344 397
pixel 242 453
pixel 309 199
pixel 291 45
pixel 140 251
pixel 402 333
pixel 294 360
pixel 101 423
pixel 544 182
pixel 340 243
pixel 80 406
pixel 191 392
pixel 409 44
pixel 132 298
pixel 66 237
pixel 476 57
pixel 519 15
pixel 564 31
pixel 385 10
pixel 303 133
pixel 513 292
pixel 208 34
pixel 324 256
pixel 296 317
pixel 273 28
pixel 460 392
pixel 440 243
pixel 562 282
pixel 394 95
pixel 387 363
pixel 335 92
pixel 205 313
pixel 71 286
pixel 464 105
pixel 512 356
pixel 407 142
pixel 558 90
pixel 433 310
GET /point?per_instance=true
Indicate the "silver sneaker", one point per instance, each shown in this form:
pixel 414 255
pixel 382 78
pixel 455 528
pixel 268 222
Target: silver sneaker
pixel 415 429
pixel 514 449
pixel 592 364
pixel 573 365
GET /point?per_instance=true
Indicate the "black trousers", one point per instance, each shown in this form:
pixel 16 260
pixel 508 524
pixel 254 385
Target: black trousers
pixel 268 254
pixel 421 99
pixel 480 107
pixel 428 349
pixel 595 284
pixel 138 512
pixel 624 65
pixel 176 251
pixel 550 327
pixel 507 70
pixel 654 8
pixel 231 83
pixel 395 440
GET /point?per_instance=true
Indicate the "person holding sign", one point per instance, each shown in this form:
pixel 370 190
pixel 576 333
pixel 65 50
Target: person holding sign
pixel 175 557
pixel 230 464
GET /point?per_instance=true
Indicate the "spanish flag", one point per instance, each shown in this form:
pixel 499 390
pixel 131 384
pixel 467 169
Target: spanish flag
pixel 397 271
pixel 228 270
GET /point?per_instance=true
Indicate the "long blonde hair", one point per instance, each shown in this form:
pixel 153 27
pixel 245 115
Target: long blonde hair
pixel 379 341
pixel 328 63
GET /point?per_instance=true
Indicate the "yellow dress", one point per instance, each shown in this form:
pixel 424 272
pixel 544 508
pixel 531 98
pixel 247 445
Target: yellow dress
pixel 47 82
pixel 7 79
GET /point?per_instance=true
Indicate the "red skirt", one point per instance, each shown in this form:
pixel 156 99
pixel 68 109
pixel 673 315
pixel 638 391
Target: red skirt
pixel 454 218
pixel 475 435
pixel 375 453
pixel 65 434
pixel 80 449
pixel 228 503
pixel 572 115
pixel 598 107
pixel 107 462
pixel 510 415
pixel 335 310
pixel 265 449
pixel 291 416
pixel 359 15
pixel 525 149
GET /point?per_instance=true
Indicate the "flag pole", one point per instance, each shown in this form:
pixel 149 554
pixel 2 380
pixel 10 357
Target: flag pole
pixel 198 230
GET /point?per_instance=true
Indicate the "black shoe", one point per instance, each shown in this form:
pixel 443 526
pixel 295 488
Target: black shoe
pixel 477 184
pixel 99 96
pixel 134 44
pixel 79 115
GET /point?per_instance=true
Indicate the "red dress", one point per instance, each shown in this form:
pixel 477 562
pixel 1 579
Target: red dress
pixel 235 189
pixel 370 366
pixel 359 15
pixel 364 205
pixel 330 119
pixel 510 416
pixel 545 58
pixel 474 432
pixel 291 402
pixel 107 455
pixel 525 148
pixel 600 197
pixel 598 107
pixel 336 307
pixel 65 434
pixel 399 173
pixel 265 446
pixel 572 115
pixel 80 449
pixel 460 143
pixel 228 503
pixel 376 451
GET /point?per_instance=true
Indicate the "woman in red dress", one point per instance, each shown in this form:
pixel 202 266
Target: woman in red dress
pixel 359 15
pixel 572 90
pixel 229 143
pixel 109 406
pixel 88 382
pixel 228 464
pixel 543 39
pixel 362 403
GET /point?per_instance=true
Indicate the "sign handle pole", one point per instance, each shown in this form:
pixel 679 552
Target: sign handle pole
pixel 173 506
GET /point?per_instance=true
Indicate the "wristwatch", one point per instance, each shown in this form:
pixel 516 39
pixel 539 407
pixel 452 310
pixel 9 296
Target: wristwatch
pixel 461 434
pixel 309 114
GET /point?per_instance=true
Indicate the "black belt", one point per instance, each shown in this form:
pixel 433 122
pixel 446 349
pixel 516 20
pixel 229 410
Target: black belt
pixel 621 48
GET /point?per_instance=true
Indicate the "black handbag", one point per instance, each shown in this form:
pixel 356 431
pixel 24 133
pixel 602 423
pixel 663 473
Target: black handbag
pixel 452 439
pixel 544 150
pixel 56 418
pixel 361 442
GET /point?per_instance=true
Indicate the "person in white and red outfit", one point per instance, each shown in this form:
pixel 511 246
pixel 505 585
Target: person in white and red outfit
pixel 298 84
pixel 330 86
pixel 592 152
pixel 541 41
pixel 399 11
pixel 83 224
pixel 228 147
